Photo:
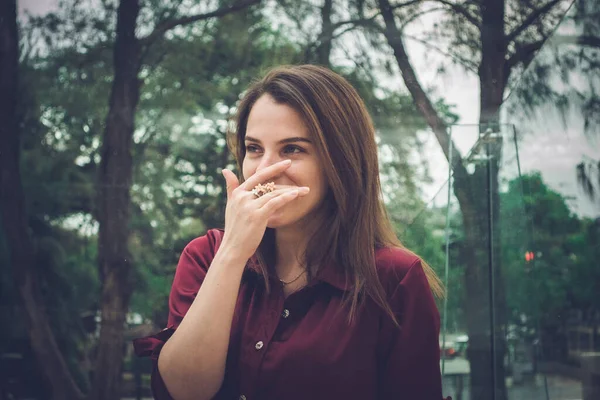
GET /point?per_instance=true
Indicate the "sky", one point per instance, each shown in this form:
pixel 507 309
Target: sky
pixel 555 145
pixel 548 146
pixel 36 7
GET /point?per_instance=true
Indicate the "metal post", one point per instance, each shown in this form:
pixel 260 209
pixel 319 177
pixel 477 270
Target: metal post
pixel 491 267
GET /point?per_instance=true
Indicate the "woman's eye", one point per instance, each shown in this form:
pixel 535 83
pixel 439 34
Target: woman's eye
pixel 292 150
pixel 252 149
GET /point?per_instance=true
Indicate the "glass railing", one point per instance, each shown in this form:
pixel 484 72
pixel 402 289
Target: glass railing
pixel 514 257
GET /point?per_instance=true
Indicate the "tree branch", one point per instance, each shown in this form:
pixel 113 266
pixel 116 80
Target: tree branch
pixel 369 22
pixel 366 22
pixel 582 40
pixel 524 54
pixel 535 14
pixel 408 3
pixel 170 24
pixel 296 19
pixel 459 8
pixel 465 63
pixel 418 15
pixel 421 99
pixel 339 34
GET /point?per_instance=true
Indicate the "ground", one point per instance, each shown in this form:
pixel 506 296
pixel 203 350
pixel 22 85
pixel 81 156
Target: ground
pixel 532 388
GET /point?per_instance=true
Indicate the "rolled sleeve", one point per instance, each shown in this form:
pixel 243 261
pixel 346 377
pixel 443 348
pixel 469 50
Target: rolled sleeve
pixel 189 275
pixel 150 346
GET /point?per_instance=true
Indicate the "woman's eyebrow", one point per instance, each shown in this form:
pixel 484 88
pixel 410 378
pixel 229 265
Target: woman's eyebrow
pixel 282 141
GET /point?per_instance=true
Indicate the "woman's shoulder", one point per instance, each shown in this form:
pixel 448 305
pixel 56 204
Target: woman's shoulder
pixel 202 248
pixel 210 242
pixel 394 263
pixel 403 278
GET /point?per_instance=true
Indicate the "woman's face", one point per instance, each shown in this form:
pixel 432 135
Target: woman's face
pixel 276 132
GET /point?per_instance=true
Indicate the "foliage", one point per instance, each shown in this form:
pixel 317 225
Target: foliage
pixel 565 71
pixel 562 277
pixel 588 178
pixel 425 235
pixel 563 274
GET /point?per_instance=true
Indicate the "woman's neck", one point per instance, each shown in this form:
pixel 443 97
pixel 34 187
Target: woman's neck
pixel 291 245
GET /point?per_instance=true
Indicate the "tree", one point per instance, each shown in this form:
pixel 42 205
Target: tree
pixel 494 39
pixel 554 80
pixel 541 224
pixel 190 83
pixel 559 277
pixel 115 182
pixel 14 215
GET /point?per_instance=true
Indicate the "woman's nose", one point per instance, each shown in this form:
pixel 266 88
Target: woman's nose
pixel 268 159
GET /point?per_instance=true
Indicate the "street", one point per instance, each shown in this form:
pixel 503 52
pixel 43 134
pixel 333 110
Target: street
pixel 532 388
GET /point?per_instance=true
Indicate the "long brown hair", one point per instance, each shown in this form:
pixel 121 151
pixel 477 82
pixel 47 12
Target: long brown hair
pixel 356 220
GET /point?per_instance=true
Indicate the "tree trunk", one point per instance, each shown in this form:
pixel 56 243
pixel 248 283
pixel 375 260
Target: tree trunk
pixel 476 203
pixel 14 217
pixel 486 359
pixel 488 373
pixel 114 182
pixel 326 36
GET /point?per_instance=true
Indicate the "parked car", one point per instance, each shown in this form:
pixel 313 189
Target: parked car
pixel 455 345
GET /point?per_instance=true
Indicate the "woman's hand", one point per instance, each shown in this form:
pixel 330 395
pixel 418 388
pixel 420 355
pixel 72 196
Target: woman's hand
pixel 246 215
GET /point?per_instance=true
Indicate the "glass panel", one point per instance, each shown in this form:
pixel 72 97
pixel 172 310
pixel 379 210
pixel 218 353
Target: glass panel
pixel 553 302
pixel 502 245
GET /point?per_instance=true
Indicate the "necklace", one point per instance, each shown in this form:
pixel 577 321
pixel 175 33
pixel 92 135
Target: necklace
pixel 293 280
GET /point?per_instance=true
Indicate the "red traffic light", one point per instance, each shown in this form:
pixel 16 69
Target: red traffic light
pixel 529 256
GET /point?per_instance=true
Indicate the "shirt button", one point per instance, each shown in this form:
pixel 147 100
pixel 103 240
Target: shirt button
pixel 285 313
pixel 259 345
pixel 242 397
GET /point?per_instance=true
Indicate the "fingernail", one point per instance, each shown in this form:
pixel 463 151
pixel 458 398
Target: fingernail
pixel 286 162
pixel 304 190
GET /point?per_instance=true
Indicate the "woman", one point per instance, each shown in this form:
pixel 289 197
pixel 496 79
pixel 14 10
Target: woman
pixel 307 293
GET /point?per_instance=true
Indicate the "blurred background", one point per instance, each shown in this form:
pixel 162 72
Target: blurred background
pixel 112 138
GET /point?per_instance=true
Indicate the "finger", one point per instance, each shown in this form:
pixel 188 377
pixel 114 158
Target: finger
pixel 264 174
pixel 276 203
pixel 264 199
pixel 231 181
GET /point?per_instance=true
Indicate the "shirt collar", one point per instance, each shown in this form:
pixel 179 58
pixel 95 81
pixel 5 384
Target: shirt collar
pixel 331 274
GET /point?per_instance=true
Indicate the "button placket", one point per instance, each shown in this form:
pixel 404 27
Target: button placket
pixel 257 348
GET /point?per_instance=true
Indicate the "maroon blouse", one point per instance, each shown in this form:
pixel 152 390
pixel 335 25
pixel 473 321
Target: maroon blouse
pixel 302 347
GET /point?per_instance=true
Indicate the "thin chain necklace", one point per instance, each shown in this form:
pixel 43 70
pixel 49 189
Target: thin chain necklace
pixel 293 280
